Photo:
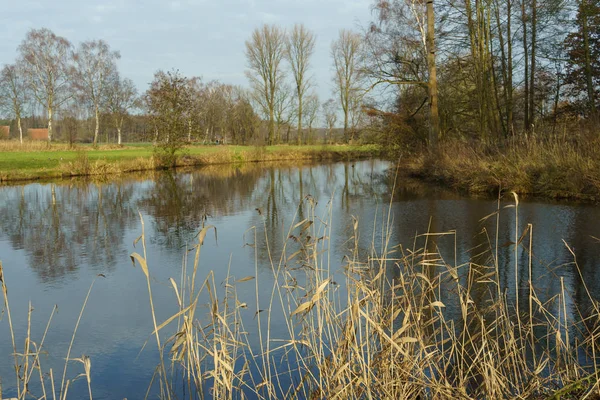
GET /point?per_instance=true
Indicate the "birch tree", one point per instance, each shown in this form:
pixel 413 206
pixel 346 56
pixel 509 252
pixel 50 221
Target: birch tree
pixel 265 51
pixel 45 59
pixel 13 94
pixel 121 97
pixel 300 47
pixel 94 62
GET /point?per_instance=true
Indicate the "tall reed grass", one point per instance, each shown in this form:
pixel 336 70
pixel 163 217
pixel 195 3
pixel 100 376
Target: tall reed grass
pixel 556 167
pixel 28 363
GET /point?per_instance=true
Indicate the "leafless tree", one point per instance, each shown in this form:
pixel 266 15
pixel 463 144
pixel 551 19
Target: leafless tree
pixel 264 52
pixel 94 62
pixel 285 111
pixel 310 115
pixel 300 47
pixel 345 52
pixel 45 61
pixel 330 114
pixel 121 97
pixel 13 94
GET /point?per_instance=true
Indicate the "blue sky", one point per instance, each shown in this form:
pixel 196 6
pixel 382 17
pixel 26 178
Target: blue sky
pixel 198 37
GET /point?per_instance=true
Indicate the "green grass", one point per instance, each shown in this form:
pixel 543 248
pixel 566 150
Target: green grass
pixel 37 162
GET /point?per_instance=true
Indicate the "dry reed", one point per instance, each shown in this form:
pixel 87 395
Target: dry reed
pixel 28 363
pixel 376 336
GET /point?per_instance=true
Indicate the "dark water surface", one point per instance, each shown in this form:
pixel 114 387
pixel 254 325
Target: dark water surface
pixel 56 238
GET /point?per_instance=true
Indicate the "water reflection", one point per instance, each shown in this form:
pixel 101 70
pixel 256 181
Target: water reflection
pixel 54 238
pixel 61 227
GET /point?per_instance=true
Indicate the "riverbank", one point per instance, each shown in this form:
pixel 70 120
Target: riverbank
pixel 553 169
pixel 58 161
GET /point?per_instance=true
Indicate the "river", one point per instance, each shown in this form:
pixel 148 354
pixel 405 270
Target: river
pixel 56 238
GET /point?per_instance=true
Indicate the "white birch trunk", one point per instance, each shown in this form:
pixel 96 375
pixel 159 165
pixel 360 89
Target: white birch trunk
pixel 49 124
pixel 97 126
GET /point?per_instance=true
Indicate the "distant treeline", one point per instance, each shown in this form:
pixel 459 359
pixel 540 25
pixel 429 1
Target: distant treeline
pixel 470 71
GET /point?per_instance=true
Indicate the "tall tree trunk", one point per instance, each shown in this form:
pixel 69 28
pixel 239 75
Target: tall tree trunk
pixel 49 123
pixel 588 62
pixel 526 57
pixel 20 128
pixel 533 51
pixel 509 62
pixel 118 125
pixel 271 125
pixel 299 120
pixel 504 71
pixel 434 131
pixel 97 129
pixel 346 124
pixel 556 100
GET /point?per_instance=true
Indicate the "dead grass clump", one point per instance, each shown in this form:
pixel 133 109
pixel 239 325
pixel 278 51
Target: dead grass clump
pixel 30 373
pixel 31 145
pixel 553 168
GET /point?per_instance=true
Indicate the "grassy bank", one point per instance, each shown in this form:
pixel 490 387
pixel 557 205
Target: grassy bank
pixel 355 329
pixel 558 169
pixel 37 161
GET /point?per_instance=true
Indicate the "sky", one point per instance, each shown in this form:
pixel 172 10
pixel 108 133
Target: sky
pixel 197 37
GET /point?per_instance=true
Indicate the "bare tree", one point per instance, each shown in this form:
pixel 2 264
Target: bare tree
pixel 300 47
pixel 310 115
pixel 285 111
pixel 45 64
pixel 13 94
pixel 345 53
pixel 330 114
pixel 169 101
pixel 94 62
pixel 121 97
pixel 264 52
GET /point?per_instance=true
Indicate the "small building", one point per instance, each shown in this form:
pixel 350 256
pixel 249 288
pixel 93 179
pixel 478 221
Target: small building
pixel 4 131
pixel 38 134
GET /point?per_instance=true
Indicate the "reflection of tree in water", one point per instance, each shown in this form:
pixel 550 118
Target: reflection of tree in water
pixel 61 227
pixel 179 203
pixel 280 196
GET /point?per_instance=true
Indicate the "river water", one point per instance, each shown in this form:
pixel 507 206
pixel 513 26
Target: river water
pixel 56 238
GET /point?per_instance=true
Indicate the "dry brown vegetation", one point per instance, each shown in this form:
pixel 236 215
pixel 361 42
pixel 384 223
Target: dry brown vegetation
pixel 556 168
pixel 28 361
pixel 372 336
